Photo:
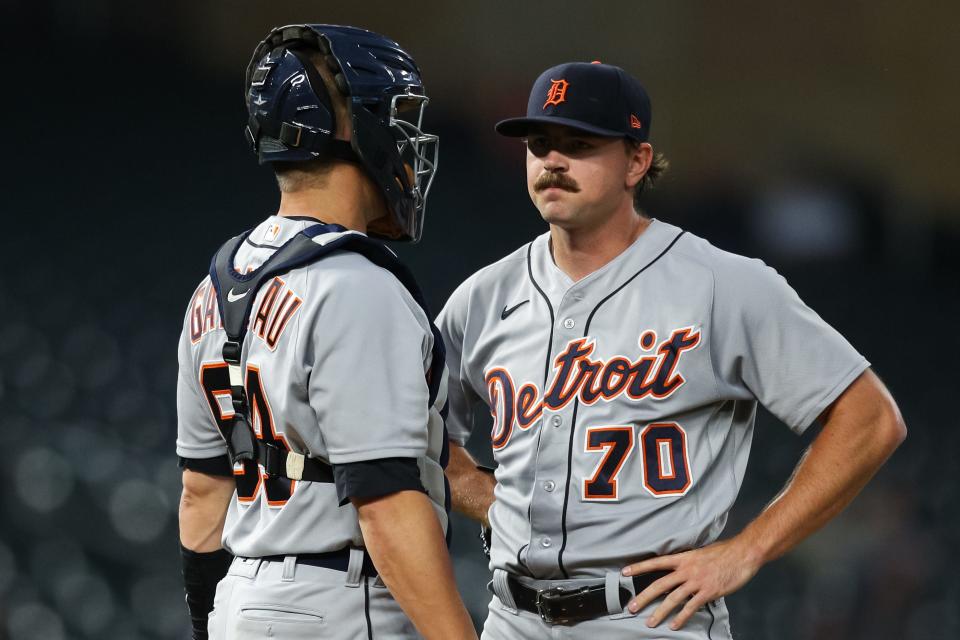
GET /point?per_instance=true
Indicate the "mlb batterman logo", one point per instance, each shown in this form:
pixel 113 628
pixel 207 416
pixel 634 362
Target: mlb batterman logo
pixel 557 92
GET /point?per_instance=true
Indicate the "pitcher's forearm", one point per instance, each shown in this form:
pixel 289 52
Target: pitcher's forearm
pixel 859 434
pixel 471 489
pixel 404 538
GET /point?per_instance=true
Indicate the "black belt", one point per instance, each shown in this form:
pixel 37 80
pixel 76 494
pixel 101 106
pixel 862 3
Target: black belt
pixel 336 560
pixel 573 604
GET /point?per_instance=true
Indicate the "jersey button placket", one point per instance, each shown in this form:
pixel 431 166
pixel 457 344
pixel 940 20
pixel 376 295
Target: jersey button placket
pixel 546 499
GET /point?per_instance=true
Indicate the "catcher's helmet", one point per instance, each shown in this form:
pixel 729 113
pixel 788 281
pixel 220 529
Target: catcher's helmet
pixel 291 117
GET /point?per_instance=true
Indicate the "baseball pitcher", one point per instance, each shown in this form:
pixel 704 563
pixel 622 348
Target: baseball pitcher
pixel 623 360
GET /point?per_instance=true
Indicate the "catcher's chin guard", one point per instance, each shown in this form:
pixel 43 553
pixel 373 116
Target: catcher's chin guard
pixel 235 297
pixel 292 119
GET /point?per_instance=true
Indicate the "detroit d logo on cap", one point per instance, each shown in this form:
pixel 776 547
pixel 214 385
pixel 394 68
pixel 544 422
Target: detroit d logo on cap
pixel 557 92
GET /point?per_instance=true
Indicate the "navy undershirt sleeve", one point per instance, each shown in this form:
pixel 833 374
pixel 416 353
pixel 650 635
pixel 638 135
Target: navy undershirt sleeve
pixel 374 478
pixel 219 466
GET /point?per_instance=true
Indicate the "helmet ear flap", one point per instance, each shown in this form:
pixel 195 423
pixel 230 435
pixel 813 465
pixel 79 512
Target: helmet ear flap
pixel 316 80
pixel 319 86
pixel 291 113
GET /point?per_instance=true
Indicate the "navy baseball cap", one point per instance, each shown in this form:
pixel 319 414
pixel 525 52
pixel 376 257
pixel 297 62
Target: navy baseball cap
pixel 597 98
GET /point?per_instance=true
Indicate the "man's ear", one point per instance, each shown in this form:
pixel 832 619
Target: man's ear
pixel 639 158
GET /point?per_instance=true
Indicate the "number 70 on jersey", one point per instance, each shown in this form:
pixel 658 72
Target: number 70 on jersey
pixel 662 447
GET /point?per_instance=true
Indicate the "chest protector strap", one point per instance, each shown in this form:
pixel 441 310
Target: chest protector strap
pixel 235 296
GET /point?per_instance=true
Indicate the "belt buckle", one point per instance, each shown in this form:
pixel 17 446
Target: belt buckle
pixel 546 598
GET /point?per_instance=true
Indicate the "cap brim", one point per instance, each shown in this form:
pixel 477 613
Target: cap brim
pixel 519 127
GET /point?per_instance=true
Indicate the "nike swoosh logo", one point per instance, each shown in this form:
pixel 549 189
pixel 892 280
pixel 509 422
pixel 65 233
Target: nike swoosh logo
pixel 231 297
pixel 506 312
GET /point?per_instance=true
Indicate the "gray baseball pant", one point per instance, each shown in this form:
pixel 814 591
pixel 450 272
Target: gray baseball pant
pixel 289 601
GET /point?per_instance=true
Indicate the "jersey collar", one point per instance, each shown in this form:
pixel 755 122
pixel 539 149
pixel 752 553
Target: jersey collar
pixel 558 285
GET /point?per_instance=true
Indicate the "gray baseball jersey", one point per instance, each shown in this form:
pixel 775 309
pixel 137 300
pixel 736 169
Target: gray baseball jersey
pixel 335 360
pixel 624 403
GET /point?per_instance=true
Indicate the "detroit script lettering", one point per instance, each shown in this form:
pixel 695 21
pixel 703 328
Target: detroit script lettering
pixel 578 376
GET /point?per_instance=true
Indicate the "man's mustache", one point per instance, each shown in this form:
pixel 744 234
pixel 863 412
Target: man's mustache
pixel 551 179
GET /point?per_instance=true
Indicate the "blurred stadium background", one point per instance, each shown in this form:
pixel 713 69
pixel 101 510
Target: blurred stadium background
pixel 818 136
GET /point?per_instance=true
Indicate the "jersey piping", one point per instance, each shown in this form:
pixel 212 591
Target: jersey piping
pixel 546 365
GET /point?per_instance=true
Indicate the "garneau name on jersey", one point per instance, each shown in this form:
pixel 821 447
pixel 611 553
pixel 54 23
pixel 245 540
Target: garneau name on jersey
pixel 276 308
